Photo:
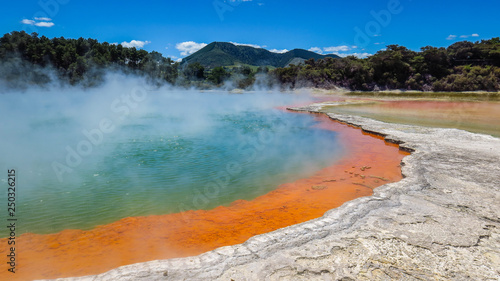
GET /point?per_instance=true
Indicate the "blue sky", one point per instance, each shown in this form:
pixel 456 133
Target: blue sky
pixel 178 28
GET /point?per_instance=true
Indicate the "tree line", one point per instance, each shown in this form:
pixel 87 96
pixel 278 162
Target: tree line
pixel 77 60
pixel 25 59
pixel 463 66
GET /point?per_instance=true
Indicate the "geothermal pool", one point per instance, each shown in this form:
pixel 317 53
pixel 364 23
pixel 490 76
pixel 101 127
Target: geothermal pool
pixel 175 151
pixel 107 178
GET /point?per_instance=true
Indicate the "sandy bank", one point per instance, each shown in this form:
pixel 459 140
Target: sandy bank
pixel 441 222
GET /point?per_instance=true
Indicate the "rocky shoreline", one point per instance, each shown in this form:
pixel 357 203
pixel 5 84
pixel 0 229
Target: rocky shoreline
pixel 441 222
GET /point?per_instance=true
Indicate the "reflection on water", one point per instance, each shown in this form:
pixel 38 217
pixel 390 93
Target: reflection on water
pixel 474 116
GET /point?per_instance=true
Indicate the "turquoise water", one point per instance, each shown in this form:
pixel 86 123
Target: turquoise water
pixel 172 151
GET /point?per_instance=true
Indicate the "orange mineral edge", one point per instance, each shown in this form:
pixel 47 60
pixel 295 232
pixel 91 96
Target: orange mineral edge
pixel 368 163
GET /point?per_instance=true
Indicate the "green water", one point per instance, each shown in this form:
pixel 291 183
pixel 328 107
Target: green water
pixel 175 151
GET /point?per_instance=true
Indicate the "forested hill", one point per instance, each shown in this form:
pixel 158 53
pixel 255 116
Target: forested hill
pixel 75 60
pixel 228 54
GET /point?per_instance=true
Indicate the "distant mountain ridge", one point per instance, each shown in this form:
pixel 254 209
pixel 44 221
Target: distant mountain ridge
pixel 227 54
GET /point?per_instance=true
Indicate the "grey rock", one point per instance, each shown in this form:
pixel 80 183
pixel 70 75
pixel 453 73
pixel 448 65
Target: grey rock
pixel 441 222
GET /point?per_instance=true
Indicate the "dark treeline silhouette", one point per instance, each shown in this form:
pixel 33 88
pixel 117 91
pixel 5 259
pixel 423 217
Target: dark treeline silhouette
pixel 463 66
pixel 27 59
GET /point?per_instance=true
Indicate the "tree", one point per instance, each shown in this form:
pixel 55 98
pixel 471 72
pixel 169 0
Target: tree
pixel 460 52
pixel 392 67
pixel 194 71
pixel 218 75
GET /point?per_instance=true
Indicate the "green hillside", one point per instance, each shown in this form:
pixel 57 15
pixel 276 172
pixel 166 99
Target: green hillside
pixel 226 54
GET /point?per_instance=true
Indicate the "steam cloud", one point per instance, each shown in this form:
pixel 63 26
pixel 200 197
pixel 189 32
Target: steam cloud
pixel 58 136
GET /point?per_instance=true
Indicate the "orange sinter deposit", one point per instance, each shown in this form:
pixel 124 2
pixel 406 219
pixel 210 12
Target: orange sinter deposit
pixel 369 162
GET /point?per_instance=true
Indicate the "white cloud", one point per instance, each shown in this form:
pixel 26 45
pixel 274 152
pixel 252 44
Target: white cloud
pixel 177 59
pixel 134 43
pixel 333 49
pixel 452 37
pixel 243 44
pixel 278 51
pixel 356 54
pixel 43 19
pixel 41 22
pixel 316 50
pixel 340 51
pixel 359 55
pixel 25 21
pixel 189 47
pixel 44 24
